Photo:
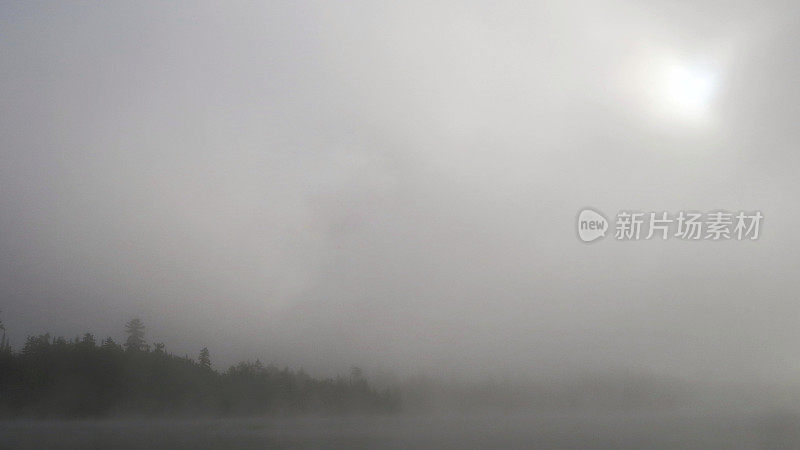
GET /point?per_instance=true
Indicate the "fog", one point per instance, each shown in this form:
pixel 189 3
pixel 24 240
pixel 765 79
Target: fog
pixel 323 185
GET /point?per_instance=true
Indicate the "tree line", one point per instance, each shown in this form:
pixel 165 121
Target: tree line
pixel 57 377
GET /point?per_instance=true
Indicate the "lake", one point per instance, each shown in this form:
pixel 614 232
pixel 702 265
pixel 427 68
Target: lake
pixel 498 430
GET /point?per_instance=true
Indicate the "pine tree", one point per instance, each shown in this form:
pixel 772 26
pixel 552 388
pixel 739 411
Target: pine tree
pixel 135 340
pixel 87 342
pixel 109 344
pixel 4 345
pixel 205 358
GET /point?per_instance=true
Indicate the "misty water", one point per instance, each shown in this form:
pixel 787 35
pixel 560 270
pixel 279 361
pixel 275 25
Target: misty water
pixel 674 429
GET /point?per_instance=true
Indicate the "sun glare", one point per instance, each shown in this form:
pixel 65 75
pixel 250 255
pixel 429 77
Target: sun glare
pixel 689 90
pixel 683 92
pixel 679 91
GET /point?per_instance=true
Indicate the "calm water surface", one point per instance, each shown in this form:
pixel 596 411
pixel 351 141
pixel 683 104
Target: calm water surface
pixel 640 430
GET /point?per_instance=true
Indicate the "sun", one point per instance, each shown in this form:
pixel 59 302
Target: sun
pixel 683 92
pixel 678 91
pixel 689 90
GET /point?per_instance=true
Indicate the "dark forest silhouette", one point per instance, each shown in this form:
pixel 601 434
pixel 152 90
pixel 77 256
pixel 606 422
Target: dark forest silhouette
pixel 54 376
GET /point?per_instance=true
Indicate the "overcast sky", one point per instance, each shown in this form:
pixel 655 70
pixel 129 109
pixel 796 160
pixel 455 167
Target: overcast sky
pixel 337 183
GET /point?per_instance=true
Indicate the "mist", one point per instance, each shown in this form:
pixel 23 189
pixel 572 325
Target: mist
pixel 395 187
